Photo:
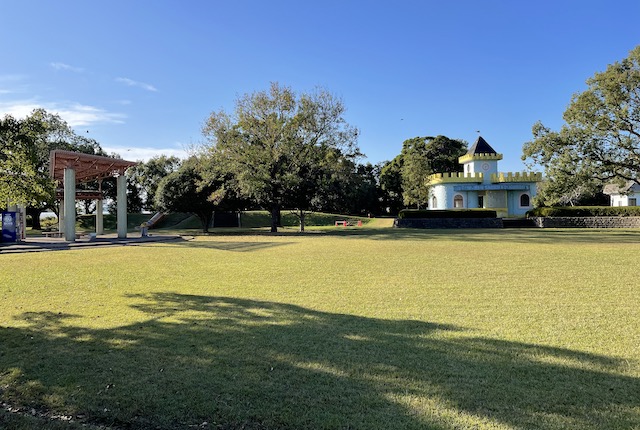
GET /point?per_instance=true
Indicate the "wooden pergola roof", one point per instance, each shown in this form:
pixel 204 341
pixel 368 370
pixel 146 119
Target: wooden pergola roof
pixel 87 167
pixel 82 194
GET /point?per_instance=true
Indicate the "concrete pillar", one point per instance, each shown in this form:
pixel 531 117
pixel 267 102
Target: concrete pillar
pixel 99 217
pixel 61 216
pixel 69 204
pixel 23 221
pixel 99 210
pixel 121 196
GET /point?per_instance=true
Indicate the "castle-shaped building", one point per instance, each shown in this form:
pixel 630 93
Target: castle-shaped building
pixel 480 185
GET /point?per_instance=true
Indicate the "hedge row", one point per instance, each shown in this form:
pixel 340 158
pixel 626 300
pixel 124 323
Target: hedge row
pixel 453 213
pixel 584 211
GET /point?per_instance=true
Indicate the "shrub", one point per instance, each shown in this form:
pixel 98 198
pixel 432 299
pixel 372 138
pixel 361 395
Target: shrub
pixel 49 223
pixel 584 211
pixel 451 213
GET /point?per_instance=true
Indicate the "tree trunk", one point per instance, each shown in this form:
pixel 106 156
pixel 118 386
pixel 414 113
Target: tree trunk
pixel 205 220
pixel 275 215
pixel 35 217
pixel 301 215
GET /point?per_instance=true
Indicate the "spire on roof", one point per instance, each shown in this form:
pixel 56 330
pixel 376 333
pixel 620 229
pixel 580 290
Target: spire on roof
pixel 481 147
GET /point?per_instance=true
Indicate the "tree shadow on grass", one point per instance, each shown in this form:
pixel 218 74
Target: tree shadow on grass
pixel 235 246
pixel 218 362
pixel 525 235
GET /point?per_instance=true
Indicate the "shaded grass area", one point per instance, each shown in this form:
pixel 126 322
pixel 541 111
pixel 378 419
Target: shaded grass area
pixel 258 219
pixel 343 329
pixel 185 221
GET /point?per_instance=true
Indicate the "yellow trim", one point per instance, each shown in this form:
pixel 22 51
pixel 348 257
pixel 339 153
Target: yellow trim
pixel 471 157
pixel 516 177
pixel 441 178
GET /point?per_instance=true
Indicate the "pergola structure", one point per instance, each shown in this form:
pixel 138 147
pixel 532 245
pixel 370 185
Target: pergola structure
pixel 73 168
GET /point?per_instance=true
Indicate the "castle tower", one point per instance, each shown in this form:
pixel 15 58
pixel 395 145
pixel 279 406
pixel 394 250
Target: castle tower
pixel 481 158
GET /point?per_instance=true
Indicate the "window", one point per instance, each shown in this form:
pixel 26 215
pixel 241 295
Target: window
pixel 480 201
pixel 525 201
pixel 434 203
pixel 632 201
pixel 458 202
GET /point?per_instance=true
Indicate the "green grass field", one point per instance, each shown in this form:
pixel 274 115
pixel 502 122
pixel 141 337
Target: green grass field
pixel 356 328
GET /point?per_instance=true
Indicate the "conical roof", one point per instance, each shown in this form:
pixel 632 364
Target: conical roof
pixel 481 147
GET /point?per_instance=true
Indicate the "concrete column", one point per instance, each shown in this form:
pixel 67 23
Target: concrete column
pixel 99 210
pixel 69 204
pixel 61 216
pixel 121 183
pixel 23 221
pixel 99 217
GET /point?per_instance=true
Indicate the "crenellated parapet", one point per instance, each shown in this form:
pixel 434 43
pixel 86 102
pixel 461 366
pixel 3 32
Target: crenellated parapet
pixel 516 177
pixel 441 178
pixel 482 156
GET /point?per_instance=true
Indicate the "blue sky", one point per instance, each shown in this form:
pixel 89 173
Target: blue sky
pixel 141 76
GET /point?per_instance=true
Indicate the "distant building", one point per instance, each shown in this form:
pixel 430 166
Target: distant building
pixel 625 195
pixel 480 185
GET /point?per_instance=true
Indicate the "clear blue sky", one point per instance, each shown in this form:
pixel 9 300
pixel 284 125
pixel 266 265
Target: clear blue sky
pixel 142 76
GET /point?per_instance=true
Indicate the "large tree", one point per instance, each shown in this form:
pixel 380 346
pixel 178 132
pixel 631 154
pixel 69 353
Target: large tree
pixel 19 182
pixel 143 178
pixel 189 189
pixel 30 141
pixel 419 158
pixel 276 142
pixel 600 140
pixel 391 185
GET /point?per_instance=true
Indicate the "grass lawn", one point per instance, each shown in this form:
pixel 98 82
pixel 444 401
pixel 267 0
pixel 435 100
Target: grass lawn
pixel 356 328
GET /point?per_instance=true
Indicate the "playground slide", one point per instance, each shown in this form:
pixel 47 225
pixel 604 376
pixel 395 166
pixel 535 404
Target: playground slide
pixel 155 219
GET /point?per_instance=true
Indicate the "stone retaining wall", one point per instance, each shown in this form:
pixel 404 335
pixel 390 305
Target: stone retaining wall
pixel 587 222
pixel 448 223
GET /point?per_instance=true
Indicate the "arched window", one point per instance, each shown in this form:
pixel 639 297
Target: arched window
pixel 458 202
pixel 525 201
pixel 434 203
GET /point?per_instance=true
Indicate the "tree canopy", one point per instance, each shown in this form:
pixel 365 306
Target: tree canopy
pixel 281 147
pixel 25 145
pixel 143 179
pixel 185 190
pixel 600 140
pixel 419 158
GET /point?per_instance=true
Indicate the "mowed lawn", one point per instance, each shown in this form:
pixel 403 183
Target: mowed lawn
pixel 371 328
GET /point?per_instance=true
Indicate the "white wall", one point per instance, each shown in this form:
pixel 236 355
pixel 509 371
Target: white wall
pixel 623 200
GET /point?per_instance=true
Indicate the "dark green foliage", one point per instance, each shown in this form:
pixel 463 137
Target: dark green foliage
pixel 391 185
pixel 185 191
pixel 451 213
pixel 584 211
pixel 423 156
pixel 403 180
pixel 144 178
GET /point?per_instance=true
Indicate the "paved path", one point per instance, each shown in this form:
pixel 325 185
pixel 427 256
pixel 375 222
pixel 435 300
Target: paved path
pixel 37 244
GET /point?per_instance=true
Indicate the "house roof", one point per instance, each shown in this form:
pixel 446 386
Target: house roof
pixel 610 189
pixel 481 147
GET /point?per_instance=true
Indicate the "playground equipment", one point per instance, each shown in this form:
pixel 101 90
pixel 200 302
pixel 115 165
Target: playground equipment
pixel 157 217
